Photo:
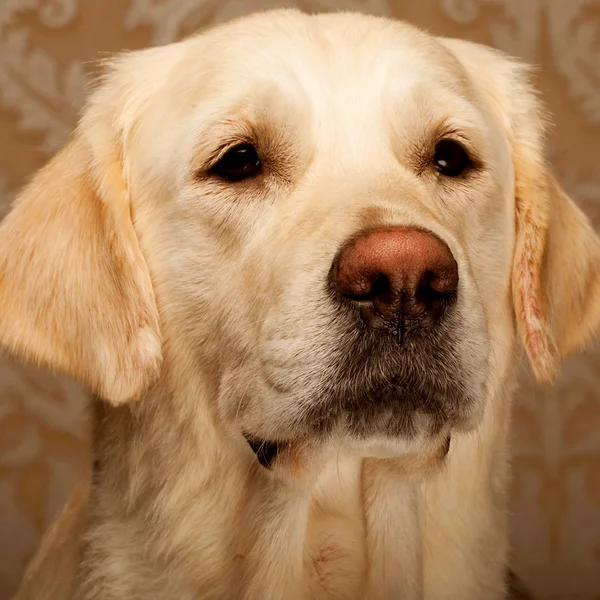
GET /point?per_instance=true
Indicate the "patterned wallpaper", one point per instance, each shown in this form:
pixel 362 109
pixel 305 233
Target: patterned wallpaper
pixel 45 51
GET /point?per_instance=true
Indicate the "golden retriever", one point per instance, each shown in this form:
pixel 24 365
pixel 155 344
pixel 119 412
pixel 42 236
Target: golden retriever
pixel 296 258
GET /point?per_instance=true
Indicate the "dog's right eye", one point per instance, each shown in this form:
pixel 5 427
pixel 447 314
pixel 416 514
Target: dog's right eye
pixel 239 163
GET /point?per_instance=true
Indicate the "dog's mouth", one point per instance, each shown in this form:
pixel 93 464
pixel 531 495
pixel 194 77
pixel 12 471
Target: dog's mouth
pixel 378 400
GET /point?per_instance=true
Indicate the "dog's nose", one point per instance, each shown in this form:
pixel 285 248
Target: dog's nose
pixel 397 278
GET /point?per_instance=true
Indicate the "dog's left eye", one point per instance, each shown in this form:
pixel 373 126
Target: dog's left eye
pixel 450 158
pixel 238 163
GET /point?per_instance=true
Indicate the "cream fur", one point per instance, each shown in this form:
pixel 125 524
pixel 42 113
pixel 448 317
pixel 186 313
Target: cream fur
pixel 127 267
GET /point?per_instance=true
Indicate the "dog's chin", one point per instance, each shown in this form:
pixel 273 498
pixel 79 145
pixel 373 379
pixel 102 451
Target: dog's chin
pixel 393 447
pixel 415 455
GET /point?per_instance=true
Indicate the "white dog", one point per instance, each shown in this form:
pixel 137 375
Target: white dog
pixel 296 258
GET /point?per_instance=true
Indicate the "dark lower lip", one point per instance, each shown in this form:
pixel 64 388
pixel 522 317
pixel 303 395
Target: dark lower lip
pixel 266 452
pixel 446 447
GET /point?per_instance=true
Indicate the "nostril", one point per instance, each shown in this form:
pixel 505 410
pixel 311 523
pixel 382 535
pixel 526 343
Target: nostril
pixel 380 287
pixel 436 291
pixel 427 294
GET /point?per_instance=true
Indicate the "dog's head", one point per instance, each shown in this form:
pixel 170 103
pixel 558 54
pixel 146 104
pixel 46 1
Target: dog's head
pixel 345 221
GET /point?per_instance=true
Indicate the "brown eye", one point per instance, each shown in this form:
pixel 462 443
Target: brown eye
pixel 450 158
pixel 238 163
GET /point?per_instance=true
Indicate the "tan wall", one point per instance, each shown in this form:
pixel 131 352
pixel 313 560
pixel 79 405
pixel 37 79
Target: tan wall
pixel 43 47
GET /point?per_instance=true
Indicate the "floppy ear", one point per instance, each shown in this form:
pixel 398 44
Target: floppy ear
pixel 556 270
pixel 75 291
pixel 556 265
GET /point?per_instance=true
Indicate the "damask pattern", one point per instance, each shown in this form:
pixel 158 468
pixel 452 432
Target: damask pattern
pixel 46 49
pixel 572 39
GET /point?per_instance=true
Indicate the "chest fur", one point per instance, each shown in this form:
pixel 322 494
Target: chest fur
pixel 363 537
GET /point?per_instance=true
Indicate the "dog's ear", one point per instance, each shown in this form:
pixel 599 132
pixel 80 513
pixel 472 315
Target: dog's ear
pixel 556 264
pixel 556 270
pixel 75 290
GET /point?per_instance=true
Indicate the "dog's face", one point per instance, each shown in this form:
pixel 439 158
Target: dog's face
pixel 300 165
pixel 337 216
pixel 292 175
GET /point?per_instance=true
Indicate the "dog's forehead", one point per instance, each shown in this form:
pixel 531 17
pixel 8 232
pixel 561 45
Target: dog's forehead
pixel 350 55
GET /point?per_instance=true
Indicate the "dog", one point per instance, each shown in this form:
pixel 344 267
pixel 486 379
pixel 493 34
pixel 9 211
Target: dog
pixel 297 260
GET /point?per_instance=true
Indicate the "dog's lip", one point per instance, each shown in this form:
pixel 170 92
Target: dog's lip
pixel 428 460
pixel 266 451
pixel 442 451
pixel 446 445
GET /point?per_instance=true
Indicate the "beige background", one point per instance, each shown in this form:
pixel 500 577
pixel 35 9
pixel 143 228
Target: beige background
pixel 45 49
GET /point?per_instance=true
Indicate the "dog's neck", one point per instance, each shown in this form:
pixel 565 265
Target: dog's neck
pixel 187 501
